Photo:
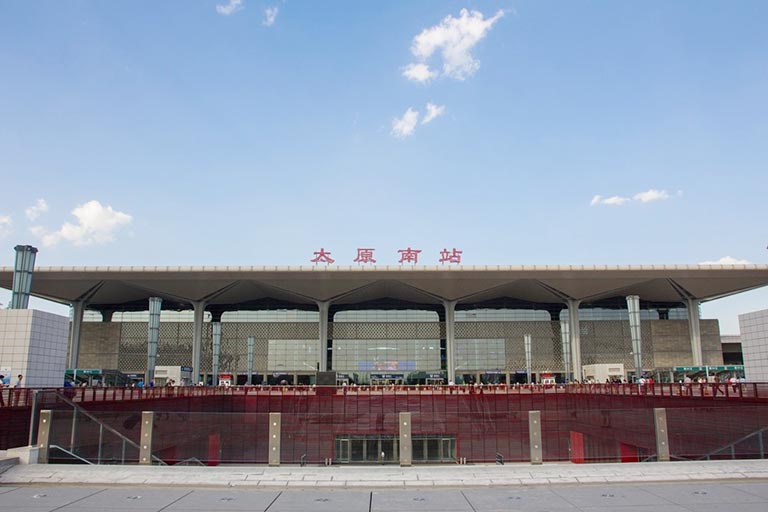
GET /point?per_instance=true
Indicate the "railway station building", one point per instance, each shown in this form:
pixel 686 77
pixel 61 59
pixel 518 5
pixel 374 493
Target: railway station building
pixel 392 324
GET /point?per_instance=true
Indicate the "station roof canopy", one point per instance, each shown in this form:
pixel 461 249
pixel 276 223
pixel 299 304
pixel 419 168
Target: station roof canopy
pixel 128 288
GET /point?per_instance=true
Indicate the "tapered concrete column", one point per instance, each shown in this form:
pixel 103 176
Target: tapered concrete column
pixel 216 350
pixel 575 331
pixel 633 306
pixel 322 351
pixel 274 438
pixel 78 308
pixel 145 445
pixel 694 328
pixel 153 337
pixel 406 440
pixel 22 276
pixel 450 339
pixel 565 340
pixel 197 339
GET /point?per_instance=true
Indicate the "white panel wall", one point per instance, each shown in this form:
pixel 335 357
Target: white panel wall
pixel 34 344
pixel 754 345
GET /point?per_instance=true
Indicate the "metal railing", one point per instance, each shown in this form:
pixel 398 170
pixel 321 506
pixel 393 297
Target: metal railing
pixel 751 391
pixel 731 447
pixel 103 427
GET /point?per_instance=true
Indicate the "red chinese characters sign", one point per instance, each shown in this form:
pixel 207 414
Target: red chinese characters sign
pixel 450 257
pixel 322 256
pixel 364 256
pixel 407 256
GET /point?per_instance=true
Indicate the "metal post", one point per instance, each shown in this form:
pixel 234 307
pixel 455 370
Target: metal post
pixel 274 438
pixel 216 352
pixel 633 306
pixel 101 443
pixel 44 436
pixel 527 342
pixel 534 435
pixel 73 431
pixel 450 339
pixel 406 440
pixel 153 336
pixel 662 435
pixel 145 447
pixel 251 345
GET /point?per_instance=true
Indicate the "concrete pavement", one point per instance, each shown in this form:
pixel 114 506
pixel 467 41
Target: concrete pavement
pixel 389 477
pixel 656 497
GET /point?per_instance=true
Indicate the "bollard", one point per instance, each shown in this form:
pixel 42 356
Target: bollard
pixel 662 434
pixel 534 434
pixel 145 447
pixel 274 438
pixel 44 436
pixel 406 443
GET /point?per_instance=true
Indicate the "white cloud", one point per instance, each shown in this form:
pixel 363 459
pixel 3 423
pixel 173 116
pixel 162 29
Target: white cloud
pixel 96 224
pixel 726 260
pixel 433 111
pixel 6 225
pixel 232 7
pixel 454 38
pixel 651 195
pixel 648 196
pixel 418 72
pixel 405 126
pixel 270 15
pixel 610 201
pixel 37 209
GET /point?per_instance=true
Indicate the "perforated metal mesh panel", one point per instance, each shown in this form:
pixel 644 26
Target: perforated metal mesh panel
pixel 604 341
pixel 386 330
pixel 610 341
pixel 133 347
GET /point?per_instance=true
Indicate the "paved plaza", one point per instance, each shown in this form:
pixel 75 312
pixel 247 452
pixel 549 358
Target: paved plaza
pixel 655 497
pixel 657 487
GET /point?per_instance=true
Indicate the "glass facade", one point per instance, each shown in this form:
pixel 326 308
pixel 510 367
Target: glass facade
pixel 502 315
pixel 386 355
pixel 272 315
pixel 587 313
pixel 481 354
pixel 389 315
pixel 291 356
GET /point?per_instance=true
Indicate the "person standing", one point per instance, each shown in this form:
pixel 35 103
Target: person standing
pixel 17 390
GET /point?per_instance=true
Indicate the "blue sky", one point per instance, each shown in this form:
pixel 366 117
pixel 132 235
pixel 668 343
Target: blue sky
pixel 177 133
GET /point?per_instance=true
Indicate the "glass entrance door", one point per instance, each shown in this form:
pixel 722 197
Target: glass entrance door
pixel 434 448
pixel 375 449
